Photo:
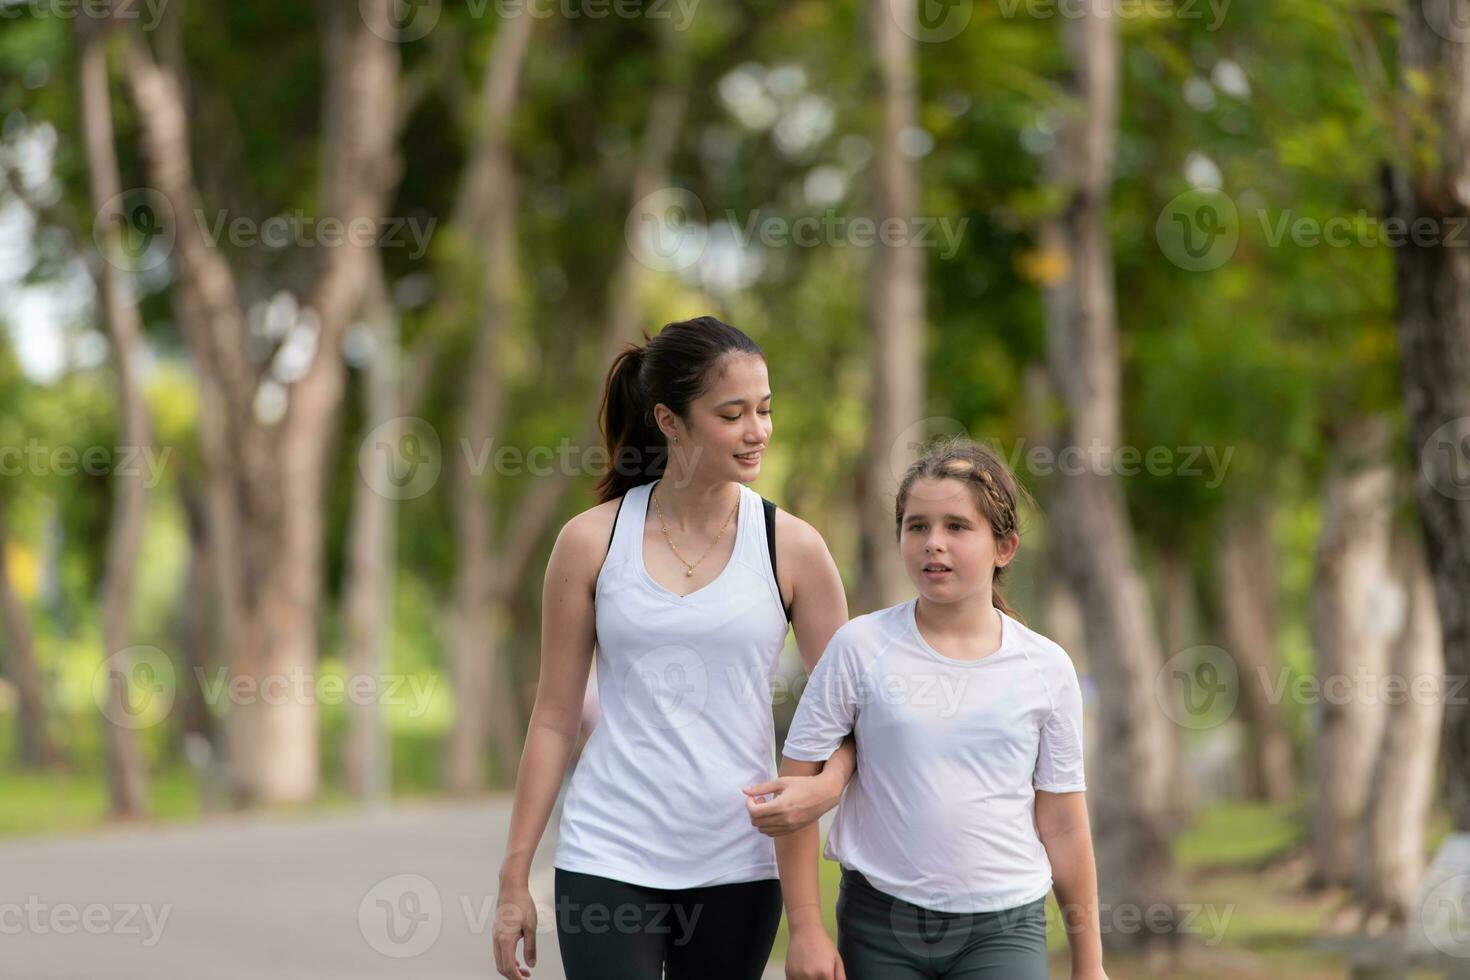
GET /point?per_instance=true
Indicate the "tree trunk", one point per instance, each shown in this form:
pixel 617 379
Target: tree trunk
pixel 1245 569
pixel 37 750
pixel 368 598
pixel 1351 636
pixel 266 476
pixel 896 304
pixel 1403 785
pixel 127 779
pixel 195 642
pixel 1181 626
pixel 1132 768
pixel 1434 334
pixel 1431 181
pixel 487 207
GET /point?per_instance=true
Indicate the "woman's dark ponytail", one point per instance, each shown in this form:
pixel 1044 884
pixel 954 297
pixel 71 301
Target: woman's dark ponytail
pixel 635 446
pixel 671 369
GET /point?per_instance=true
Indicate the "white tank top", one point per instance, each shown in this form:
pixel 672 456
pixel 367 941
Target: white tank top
pixel 685 688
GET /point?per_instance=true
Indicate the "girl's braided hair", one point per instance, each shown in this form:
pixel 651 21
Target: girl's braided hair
pixel 996 492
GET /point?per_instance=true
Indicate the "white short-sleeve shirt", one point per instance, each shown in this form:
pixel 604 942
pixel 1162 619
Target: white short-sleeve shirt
pixel 941 810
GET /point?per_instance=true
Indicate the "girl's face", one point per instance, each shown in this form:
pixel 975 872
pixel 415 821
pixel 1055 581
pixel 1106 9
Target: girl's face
pixel 729 426
pixel 948 548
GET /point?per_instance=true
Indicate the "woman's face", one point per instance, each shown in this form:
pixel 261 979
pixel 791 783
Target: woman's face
pixel 947 546
pixel 729 426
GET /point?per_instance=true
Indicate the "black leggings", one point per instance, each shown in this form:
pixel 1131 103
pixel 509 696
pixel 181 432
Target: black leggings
pixel 880 937
pixel 611 930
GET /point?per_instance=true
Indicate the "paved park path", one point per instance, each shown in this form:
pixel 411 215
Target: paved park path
pixel 402 892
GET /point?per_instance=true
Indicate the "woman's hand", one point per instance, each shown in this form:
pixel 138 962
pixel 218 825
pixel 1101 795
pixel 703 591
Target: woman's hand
pixel 1096 973
pixel 515 919
pixel 798 800
pixel 812 956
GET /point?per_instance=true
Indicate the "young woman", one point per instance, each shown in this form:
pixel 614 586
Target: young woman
pixel 968 805
pixel 659 872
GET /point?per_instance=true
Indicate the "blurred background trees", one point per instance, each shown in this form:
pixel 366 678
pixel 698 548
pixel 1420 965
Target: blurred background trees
pixel 245 445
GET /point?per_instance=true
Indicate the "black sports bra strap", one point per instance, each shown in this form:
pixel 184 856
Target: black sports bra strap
pixel 614 530
pixel 770 511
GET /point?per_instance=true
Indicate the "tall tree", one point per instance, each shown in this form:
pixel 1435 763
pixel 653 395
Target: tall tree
pixel 267 469
pixel 127 779
pixel 1391 863
pixel 896 300
pixel 36 747
pixel 1247 595
pixel 1430 183
pixel 486 212
pixel 367 600
pixel 1351 639
pixel 1131 787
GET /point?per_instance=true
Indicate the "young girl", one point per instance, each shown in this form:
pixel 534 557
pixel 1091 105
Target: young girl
pixel 968 805
pixel 672 579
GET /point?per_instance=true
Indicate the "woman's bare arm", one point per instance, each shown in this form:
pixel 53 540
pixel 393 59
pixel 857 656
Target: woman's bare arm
pixel 818 609
pixel 811 954
pixel 568 637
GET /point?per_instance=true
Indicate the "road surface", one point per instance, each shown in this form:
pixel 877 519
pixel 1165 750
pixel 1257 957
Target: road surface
pixel 401 892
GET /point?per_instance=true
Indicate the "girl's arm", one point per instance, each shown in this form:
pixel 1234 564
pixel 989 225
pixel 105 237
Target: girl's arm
pixel 818 608
pixel 811 954
pixel 568 634
pixel 1062 824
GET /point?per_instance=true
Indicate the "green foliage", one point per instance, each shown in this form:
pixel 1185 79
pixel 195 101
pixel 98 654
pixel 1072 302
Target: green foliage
pixel 1253 360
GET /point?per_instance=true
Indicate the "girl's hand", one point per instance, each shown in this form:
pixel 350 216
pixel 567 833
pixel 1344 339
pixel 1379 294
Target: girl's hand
pixel 515 919
pixel 797 801
pixel 1096 973
pixel 811 956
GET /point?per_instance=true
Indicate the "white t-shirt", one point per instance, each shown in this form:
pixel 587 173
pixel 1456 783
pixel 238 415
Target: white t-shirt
pixel 941 810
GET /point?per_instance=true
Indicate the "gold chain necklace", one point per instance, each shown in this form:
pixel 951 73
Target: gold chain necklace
pixel 688 568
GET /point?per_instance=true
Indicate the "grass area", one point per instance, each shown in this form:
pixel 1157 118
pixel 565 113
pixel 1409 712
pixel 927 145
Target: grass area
pixel 1237 834
pixel 1247 914
pixel 52 803
pixel 55 804
pixel 74 799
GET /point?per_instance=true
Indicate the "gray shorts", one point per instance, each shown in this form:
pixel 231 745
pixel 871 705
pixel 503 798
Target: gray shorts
pixel 880 937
